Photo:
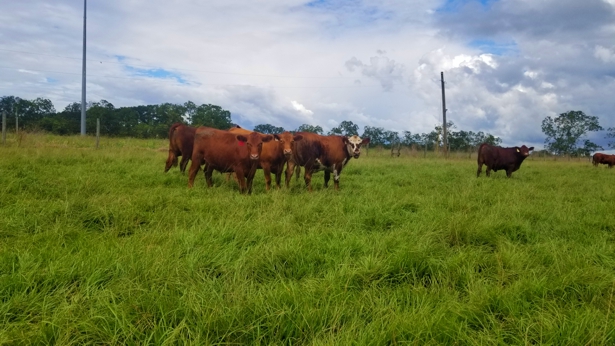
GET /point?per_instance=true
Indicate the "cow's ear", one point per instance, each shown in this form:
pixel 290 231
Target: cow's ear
pixel 276 137
pixel 530 148
pixel 345 139
pixel 266 138
pixel 298 137
pixel 241 138
pixel 365 140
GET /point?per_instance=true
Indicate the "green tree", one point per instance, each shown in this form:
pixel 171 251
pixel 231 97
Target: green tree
pixel 375 134
pixel 212 116
pixel 268 129
pixel 310 128
pixel 565 131
pixel 611 134
pixel 345 128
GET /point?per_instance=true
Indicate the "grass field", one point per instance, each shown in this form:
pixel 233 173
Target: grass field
pixel 102 247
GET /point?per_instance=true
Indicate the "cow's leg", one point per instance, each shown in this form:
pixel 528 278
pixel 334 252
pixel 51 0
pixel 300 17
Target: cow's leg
pixel 278 175
pixel 508 173
pixel 488 171
pixel 208 173
pixel 267 171
pixel 194 168
pixel 171 161
pixel 290 167
pixel 297 171
pixel 307 177
pixel 241 180
pixel 327 178
pixel 183 163
pixel 337 170
pixel 480 169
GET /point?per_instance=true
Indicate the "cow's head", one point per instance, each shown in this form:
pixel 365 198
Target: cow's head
pixel 254 143
pixel 523 150
pixel 353 145
pixel 287 142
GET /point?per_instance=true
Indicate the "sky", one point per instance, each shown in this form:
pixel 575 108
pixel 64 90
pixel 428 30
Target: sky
pixel 507 64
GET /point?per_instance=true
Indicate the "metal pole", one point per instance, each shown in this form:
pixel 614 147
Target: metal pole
pixel 16 122
pixel 97 132
pixel 3 127
pixel 83 74
pixel 444 134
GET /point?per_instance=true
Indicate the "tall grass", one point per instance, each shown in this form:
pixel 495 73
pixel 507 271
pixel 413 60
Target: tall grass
pixel 102 247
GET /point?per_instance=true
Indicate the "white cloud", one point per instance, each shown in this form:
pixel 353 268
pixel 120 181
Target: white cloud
pixel 605 54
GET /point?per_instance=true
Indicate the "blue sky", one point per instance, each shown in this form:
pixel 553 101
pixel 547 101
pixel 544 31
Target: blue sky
pixel 507 64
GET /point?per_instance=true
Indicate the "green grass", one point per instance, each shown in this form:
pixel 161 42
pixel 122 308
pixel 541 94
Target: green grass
pixel 102 247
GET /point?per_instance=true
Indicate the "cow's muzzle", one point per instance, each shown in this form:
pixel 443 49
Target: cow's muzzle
pixel 254 157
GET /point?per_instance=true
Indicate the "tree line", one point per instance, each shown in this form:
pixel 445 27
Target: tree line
pixel 565 133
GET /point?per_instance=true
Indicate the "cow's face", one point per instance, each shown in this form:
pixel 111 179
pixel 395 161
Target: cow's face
pixel 524 151
pixel 254 143
pixel 353 145
pixel 287 142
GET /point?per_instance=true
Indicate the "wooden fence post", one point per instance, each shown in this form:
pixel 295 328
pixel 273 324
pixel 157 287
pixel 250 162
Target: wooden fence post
pixel 97 132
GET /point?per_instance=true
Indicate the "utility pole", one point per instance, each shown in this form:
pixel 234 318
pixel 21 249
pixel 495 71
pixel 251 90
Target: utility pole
pixel 444 134
pixel 83 74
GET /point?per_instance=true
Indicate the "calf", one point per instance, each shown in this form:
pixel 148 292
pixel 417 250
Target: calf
pixel 224 151
pixel 274 155
pixel 329 153
pixel 498 158
pixel 181 141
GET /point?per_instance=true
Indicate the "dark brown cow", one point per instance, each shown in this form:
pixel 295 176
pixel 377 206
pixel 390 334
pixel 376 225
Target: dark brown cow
pixel 328 153
pixel 274 155
pixel 224 151
pixel 181 140
pixel 605 159
pixel 498 158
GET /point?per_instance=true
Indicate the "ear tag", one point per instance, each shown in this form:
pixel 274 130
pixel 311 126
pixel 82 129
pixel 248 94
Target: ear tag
pixel 518 150
pixel 275 139
pixel 241 144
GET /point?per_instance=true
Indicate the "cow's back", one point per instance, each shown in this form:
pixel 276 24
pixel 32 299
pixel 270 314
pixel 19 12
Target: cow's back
pixel 220 149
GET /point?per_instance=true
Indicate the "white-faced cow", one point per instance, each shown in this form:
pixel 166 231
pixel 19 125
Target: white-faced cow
pixel 498 158
pixel 323 153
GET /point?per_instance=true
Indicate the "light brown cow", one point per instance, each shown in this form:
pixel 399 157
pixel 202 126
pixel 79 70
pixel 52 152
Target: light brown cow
pixel 181 140
pixel 274 155
pixel 224 151
pixel 328 153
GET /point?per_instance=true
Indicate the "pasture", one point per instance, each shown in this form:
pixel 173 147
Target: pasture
pixel 102 247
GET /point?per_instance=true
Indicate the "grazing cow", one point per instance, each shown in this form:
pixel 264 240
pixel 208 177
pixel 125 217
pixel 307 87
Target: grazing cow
pixel 181 140
pixel 274 155
pixel 604 159
pixel 498 158
pixel 227 152
pixel 329 153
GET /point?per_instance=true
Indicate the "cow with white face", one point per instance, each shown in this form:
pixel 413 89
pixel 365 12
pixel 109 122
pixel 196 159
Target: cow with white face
pixel 323 153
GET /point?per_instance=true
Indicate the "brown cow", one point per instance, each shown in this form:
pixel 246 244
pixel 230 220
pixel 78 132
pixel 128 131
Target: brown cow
pixel 329 153
pixel 274 155
pixel 498 158
pixel 604 159
pixel 227 152
pixel 181 140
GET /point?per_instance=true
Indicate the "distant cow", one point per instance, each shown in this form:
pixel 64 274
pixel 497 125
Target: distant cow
pixel 274 155
pixel 181 140
pixel 605 159
pixel 224 151
pixel 328 153
pixel 498 158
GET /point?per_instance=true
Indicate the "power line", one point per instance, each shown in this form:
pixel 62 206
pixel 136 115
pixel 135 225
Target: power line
pixel 174 80
pixel 176 69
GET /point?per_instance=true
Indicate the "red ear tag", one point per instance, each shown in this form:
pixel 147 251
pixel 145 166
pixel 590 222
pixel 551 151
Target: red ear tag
pixel 241 144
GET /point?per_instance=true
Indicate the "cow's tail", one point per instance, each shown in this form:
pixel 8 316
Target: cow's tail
pixel 480 150
pixel 173 128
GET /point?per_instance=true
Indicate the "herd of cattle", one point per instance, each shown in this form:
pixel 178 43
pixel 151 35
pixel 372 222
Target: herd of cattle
pixel 242 152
